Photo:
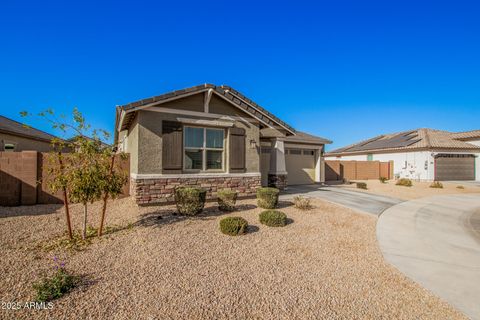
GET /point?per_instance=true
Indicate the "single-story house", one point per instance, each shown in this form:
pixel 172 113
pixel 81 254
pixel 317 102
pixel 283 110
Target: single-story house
pixel 213 137
pixel 421 154
pixel 14 136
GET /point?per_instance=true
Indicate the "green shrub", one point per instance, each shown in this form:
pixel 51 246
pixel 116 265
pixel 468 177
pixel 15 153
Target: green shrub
pixel 437 185
pixel 404 182
pixel 302 203
pixel 362 185
pixel 190 200
pixel 226 199
pixel 383 179
pixel 273 218
pixel 267 198
pixel 50 288
pixel 460 187
pixel 233 226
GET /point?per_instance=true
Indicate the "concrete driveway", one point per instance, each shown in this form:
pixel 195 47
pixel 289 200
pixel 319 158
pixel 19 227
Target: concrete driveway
pixel 436 242
pixel 360 201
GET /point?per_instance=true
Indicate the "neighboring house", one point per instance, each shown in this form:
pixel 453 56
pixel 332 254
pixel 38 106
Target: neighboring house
pixel 213 137
pixel 14 136
pixel 422 154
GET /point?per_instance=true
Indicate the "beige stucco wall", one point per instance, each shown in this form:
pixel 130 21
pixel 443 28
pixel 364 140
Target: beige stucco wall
pixel 24 144
pixel 150 142
pixel 191 103
pixel 145 136
pixel 132 145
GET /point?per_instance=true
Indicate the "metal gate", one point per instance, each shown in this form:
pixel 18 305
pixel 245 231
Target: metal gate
pixel 454 167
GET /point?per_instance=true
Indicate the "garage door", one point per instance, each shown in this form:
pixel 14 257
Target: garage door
pixel 454 167
pixel 300 165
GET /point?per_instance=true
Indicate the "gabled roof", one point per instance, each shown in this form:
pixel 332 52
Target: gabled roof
pixel 13 127
pixel 423 138
pixel 298 137
pixel 302 137
pixel 226 92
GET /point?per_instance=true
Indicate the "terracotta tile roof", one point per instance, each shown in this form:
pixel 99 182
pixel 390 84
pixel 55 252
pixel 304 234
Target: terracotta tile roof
pixel 467 135
pixel 423 138
pixel 16 128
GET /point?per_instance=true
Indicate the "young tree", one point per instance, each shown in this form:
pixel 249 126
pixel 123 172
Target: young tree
pixel 89 171
pixel 56 167
pixel 116 179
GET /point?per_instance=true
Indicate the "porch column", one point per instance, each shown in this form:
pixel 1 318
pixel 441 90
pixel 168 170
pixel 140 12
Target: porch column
pixel 320 167
pixel 277 175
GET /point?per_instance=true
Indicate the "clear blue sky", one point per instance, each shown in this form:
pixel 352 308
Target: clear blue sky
pixel 344 70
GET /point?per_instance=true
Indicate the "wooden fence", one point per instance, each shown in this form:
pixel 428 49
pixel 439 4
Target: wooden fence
pixel 24 175
pixel 337 170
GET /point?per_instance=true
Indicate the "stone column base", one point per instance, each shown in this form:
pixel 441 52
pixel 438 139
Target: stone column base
pixel 278 181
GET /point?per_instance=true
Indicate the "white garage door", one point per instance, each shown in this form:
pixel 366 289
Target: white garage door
pixel 300 165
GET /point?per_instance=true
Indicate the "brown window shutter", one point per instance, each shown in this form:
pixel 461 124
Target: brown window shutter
pixel 237 150
pixel 172 146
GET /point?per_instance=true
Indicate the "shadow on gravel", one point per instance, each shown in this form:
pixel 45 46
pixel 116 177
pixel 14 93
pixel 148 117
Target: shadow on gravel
pixel 284 204
pixel 35 210
pixel 161 217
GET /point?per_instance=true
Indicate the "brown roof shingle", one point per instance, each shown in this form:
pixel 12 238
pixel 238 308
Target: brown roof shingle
pixel 16 128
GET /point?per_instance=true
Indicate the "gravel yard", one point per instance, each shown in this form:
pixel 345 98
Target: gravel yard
pixel 324 264
pixel 419 189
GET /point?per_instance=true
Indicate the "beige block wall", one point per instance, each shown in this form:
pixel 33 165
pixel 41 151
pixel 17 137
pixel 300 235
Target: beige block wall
pixel 24 144
pixel 148 150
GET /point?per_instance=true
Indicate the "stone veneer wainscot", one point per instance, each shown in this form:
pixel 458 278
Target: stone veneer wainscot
pixel 160 189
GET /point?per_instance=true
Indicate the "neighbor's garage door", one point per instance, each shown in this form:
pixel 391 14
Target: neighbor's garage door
pixel 300 165
pixel 454 167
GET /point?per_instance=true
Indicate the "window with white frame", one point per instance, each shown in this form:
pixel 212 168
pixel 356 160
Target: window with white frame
pixel 203 148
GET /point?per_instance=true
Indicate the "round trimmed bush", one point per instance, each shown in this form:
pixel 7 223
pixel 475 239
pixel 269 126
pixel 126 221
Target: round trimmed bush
pixel 190 200
pixel 267 198
pixel 226 199
pixel 404 182
pixel 233 226
pixel 273 218
pixel 362 185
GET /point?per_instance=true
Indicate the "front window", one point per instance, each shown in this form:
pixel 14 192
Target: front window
pixel 203 149
pixel 9 147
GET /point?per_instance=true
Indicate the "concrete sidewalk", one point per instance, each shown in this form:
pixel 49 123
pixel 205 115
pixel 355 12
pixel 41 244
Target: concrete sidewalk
pixel 436 242
pixel 360 201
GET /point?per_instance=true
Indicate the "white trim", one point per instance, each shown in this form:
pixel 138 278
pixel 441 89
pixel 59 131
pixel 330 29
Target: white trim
pixel 202 122
pixel 195 175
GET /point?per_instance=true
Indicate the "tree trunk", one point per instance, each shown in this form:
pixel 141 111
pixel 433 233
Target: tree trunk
pixel 65 200
pixel 84 236
pixel 105 198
